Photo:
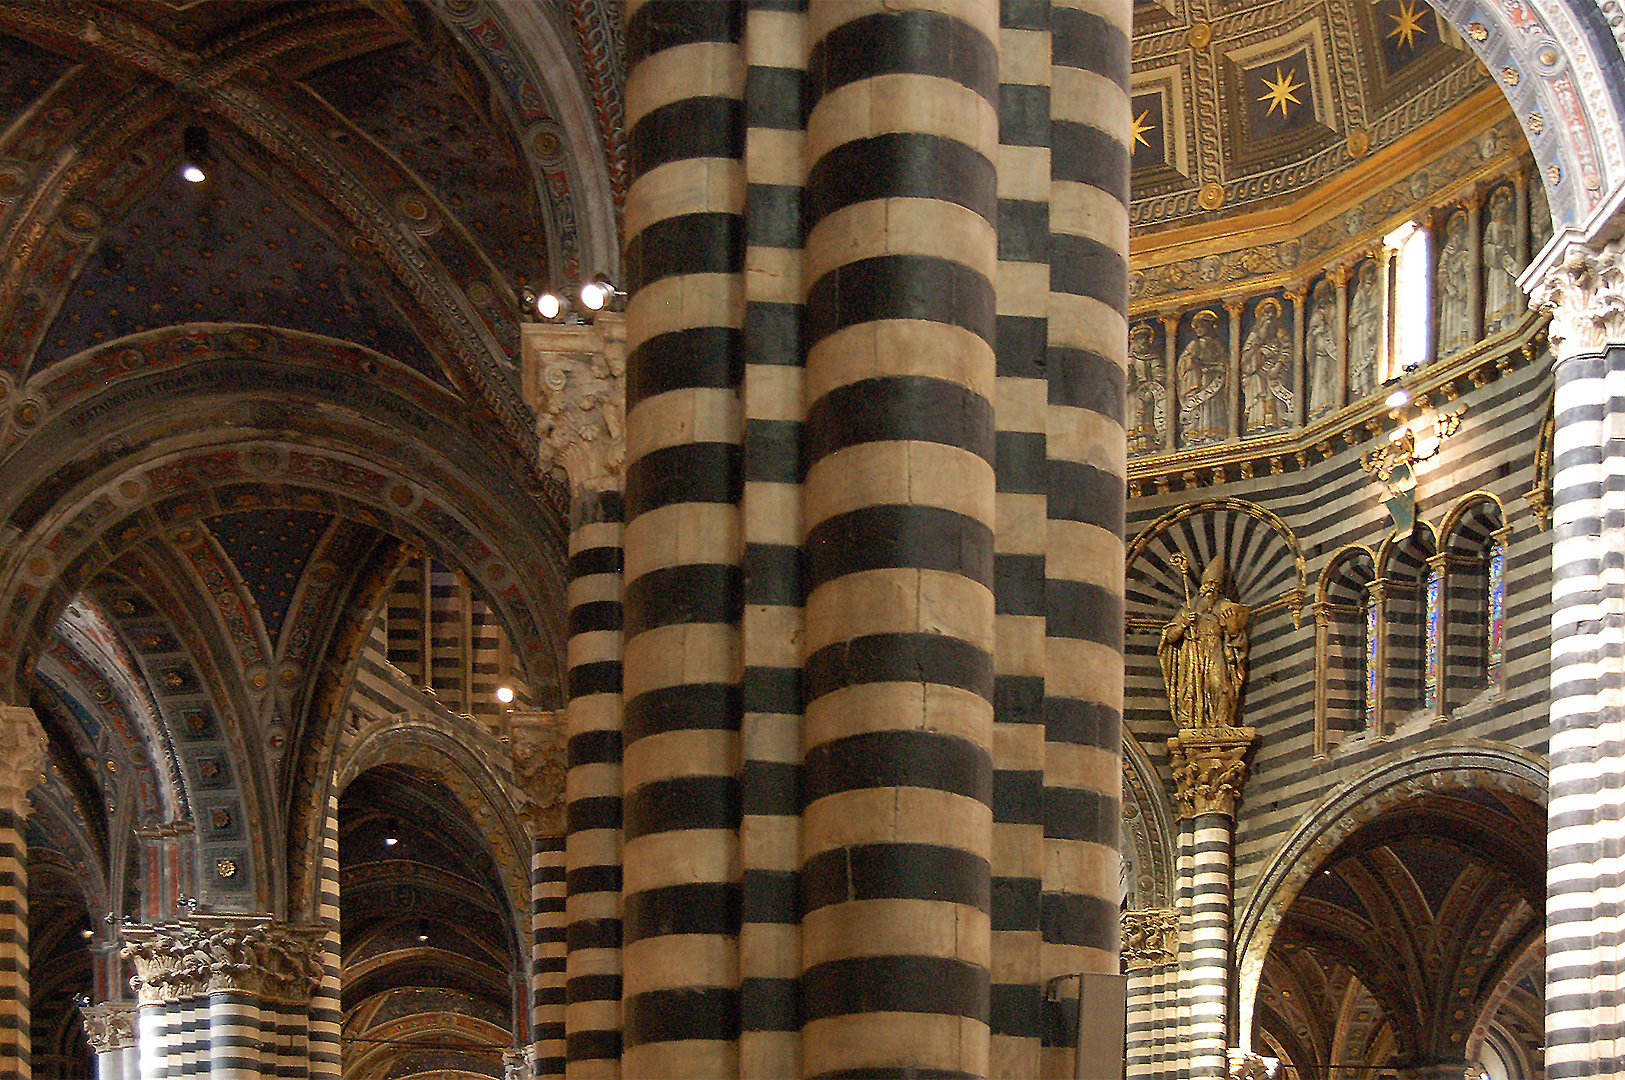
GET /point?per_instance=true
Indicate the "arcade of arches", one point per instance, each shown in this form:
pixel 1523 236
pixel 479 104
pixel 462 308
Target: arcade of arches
pixel 768 672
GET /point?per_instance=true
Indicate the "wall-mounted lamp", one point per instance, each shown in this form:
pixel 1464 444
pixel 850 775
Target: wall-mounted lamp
pixel 1407 453
pixel 195 154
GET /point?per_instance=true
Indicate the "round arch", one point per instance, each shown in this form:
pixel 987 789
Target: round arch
pixel 1438 766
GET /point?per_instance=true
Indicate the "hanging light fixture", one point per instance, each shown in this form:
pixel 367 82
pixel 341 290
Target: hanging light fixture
pixel 194 154
pixel 391 832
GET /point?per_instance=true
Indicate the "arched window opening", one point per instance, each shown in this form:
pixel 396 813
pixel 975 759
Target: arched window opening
pixel 1474 564
pixel 1406 670
pixel 1345 616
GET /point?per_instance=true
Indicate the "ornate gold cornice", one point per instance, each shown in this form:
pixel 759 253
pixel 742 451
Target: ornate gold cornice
pixel 1210 767
pixel 1150 938
pixel 208 954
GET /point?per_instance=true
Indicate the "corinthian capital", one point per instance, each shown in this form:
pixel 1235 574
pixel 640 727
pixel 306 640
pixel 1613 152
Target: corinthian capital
pixel 575 379
pixel 1150 938
pixel 209 954
pixel 1210 768
pixel 540 761
pixel 109 1025
pixel 22 756
pixel 1585 296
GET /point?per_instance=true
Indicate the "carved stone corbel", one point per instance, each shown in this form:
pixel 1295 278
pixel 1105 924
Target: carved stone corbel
pixel 109 1025
pixel 1150 938
pixel 575 380
pixel 23 757
pixel 1585 296
pixel 1210 767
pixel 540 762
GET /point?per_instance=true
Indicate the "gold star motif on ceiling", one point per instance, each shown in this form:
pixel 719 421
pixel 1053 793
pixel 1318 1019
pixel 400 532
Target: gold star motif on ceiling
pixel 1139 129
pixel 1407 24
pixel 1281 91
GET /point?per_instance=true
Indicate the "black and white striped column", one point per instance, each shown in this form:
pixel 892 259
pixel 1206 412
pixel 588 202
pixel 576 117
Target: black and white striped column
pixel 770 629
pixel 22 757
pixel 1088 346
pixel 684 267
pixel 326 1018
pixel 1585 925
pixel 547 956
pixel 1209 769
pixel 899 270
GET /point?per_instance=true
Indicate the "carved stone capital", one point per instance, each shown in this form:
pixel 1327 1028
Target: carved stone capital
pixel 1246 1065
pixel 22 756
pixel 208 954
pixel 1585 296
pixel 1210 767
pixel 575 379
pixel 1150 938
pixel 109 1025
pixel 540 762
pixel 519 1064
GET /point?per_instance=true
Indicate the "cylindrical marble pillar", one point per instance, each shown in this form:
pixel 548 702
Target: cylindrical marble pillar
pixel 22 757
pixel 899 271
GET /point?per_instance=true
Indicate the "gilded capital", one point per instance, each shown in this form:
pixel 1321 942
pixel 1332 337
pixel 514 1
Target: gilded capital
pixel 209 954
pixel 1585 296
pixel 109 1025
pixel 22 756
pixel 1150 938
pixel 540 762
pixel 1209 769
pixel 575 380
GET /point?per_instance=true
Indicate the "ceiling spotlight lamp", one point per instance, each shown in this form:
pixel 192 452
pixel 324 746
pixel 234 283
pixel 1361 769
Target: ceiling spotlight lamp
pixel 392 830
pixel 599 293
pixel 419 931
pixel 194 154
pixel 1398 398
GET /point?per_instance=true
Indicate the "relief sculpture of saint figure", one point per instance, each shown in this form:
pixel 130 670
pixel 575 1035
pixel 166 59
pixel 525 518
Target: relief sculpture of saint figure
pixel 1204 653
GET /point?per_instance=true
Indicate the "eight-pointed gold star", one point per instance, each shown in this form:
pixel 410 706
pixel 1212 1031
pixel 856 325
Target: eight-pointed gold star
pixel 1407 24
pixel 1282 91
pixel 1140 128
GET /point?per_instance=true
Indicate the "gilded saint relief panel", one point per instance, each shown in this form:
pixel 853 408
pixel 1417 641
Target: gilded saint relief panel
pixel 1453 286
pixel 1269 400
pixel 1323 359
pixel 1202 378
pixel 1503 300
pixel 1146 415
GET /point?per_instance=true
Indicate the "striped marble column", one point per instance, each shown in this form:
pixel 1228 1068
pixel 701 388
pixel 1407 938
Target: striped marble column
pixel 22 757
pixel 770 627
pixel 684 265
pixel 899 270
pixel 205 984
pixel 547 956
pixel 325 1015
pixel 1585 924
pixel 1209 769
pixel 1087 358
pixel 574 378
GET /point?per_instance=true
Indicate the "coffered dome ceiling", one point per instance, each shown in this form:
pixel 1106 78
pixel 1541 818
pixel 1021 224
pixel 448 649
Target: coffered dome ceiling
pixel 1239 105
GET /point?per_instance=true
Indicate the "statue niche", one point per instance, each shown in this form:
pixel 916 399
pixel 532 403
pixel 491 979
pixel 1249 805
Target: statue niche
pixel 1204 652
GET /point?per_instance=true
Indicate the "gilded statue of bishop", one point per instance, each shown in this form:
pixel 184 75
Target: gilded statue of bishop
pixel 1204 653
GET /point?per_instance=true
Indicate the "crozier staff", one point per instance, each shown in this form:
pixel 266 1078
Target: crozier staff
pixel 1204 654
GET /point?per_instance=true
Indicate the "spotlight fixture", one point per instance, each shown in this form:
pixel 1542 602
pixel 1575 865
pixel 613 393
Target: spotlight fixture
pixel 195 153
pixel 599 293
pixel 505 694
pixel 87 934
pixel 391 831
pixel 1398 398
pixel 550 305
pixel 421 936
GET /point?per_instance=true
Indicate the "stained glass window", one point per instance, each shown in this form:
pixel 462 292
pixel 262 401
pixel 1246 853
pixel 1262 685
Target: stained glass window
pixel 1496 595
pixel 1434 617
pixel 1371 662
